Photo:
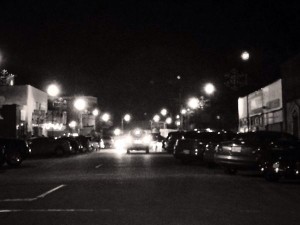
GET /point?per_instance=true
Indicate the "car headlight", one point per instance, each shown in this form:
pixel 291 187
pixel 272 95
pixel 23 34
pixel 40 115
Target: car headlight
pixel 128 139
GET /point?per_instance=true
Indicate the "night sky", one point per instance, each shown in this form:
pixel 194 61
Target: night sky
pixel 129 53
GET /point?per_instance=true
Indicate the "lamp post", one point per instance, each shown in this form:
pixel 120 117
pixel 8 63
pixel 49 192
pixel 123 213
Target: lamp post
pixel 80 105
pixel 53 91
pixel 125 118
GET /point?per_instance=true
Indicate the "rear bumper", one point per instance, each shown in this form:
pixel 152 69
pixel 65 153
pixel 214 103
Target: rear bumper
pixel 138 147
pixel 237 162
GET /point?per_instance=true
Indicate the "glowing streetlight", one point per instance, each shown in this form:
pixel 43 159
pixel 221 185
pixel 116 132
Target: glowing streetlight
pixel 80 104
pixel 73 124
pixel 164 112
pixel 117 132
pixel 178 123
pixel 156 118
pixel 245 56
pixel 105 117
pixel 53 90
pixel 127 118
pixel 193 103
pixel 209 88
pixel 95 112
pixel 183 111
pixel 169 120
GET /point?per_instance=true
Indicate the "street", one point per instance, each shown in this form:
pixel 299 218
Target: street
pixel 111 188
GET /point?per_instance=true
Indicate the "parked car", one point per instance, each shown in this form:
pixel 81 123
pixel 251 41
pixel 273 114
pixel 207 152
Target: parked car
pixel 85 143
pixel 283 160
pixel 75 144
pixel 48 146
pixel 138 140
pixel 248 150
pixel 210 148
pixel 13 151
pixel 169 142
pixel 192 146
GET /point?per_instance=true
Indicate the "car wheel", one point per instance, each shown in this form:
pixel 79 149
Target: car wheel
pixel 271 176
pixel 59 151
pixel 230 170
pixel 14 158
pixel 147 151
pixel 128 151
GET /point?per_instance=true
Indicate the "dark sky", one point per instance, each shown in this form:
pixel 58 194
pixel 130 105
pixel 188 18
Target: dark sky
pixel 129 53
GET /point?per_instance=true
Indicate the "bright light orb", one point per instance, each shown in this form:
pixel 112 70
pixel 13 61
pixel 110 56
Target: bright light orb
pixel 245 56
pixel 183 111
pixel 169 120
pixel 53 90
pixel 80 104
pixel 156 118
pixel 164 112
pixel 209 88
pixel 193 103
pixel 117 132
pixel 127 117
pixel 72 124
pixel 177 123
pixel 105 117
pixel 95 112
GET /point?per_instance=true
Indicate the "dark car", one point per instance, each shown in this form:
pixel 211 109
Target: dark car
pixel 138 140
pixel 192 146
pixel 75 144
pixel 169 142
pixel 248 150
pixel 283 160
pixel 85 143
pixel 48 146
pixel 13 151
pixel 210 148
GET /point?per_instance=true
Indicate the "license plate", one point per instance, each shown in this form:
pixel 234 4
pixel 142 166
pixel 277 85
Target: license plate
pixel 186 151
pixel 236 149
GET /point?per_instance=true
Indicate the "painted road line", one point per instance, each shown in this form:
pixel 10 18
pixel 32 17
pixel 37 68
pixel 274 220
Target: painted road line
pixel 49 192
pixel 54 210
pixel 32 199
pixel 98 166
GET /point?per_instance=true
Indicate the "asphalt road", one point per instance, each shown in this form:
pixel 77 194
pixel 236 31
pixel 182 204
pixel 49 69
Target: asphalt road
pixel 108 188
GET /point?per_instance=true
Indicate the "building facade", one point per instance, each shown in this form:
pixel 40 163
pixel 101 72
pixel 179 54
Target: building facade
pixel 31 110
pixel 262 109
pixel 291 85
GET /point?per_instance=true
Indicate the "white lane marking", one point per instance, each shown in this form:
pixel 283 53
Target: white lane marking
pixel 32 199
pixel 53 210
pixel 98 166
pixel 49 192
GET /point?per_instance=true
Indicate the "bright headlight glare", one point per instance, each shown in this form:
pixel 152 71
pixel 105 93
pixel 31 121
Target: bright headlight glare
pixel 147 139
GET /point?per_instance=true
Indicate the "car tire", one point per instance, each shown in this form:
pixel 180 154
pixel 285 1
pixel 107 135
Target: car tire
pixel 59 151
pixel 147 151
pixel 14 158
pixel 230 170
pixel 128 151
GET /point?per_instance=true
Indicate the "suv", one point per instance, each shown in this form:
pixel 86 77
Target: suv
pixel 138 140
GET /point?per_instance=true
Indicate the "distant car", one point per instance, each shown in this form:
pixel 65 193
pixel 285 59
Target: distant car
pixel 283 160
pixel 138 140
pixel 13 151
pixel 75 144
pixel 85 143
pixel 169 142
pixel 248 150
pixel 108 141
pixel 48 146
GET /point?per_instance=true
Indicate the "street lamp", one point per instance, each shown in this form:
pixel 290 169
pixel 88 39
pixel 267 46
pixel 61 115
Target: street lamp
pixel 156 118
pixel 105 117
pixel 169 120
pixel 193 103
pixel 95 112
pixel 127 118
pixel 80 105
pixel 245 56
pixel 209 88
pixel 52 91
pixel 164 112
